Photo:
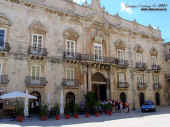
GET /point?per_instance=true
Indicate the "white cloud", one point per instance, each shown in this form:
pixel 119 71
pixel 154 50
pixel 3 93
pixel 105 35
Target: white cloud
pixel 125 8
pixel 79 1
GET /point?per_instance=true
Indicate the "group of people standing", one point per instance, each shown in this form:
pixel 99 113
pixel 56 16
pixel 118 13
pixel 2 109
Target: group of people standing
pixel 117 106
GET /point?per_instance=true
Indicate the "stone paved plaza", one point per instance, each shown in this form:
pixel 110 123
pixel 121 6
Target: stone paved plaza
pixel 161 118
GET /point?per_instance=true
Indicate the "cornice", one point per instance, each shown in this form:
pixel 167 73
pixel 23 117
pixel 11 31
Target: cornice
pixel 90 16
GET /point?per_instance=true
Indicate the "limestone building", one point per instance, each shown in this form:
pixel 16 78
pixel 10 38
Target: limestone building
pixel 59 50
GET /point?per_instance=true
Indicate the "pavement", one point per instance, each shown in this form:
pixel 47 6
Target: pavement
pixel 161 118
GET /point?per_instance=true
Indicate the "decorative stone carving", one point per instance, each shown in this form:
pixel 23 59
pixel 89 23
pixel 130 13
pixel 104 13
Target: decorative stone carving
pixel 4 20
pixel 153 52
pixel 138 48
pixel 70 34
pixel 38 27
pixel 120 44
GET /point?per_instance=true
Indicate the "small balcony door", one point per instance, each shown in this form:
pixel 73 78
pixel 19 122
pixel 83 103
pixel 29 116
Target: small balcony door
pixel 35 72
pixel 121 55
pixel 98 52
pixel 2 38
pixel 70 48
pixel 139 58
pixel 140 81
pixel 37 40
pixel 154 60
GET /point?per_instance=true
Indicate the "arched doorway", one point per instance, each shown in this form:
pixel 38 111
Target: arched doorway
pixel 141 98
pixel 70 100
pixel 35 103
pixel 157 98
pixel 123 97
pixel 99 86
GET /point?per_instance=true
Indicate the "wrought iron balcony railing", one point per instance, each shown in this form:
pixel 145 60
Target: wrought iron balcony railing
pixel 168 57
pixel 35 51
pixel 6 48
pixel 156 68
pixel 73 83
pixel 35 81
pixel 121 63
pixel 4 79
pixel 71 56
pixel 156 86
pixel 140 66
pixel 141 85
pixel 123 85
pixel 88 58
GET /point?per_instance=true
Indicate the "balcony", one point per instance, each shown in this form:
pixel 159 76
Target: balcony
pixel 86 58
pixel 70 83
pixel 123 85
pixel 121 63
pixel 5 49
pixel 142 86
pixel 37 52
pixel 167 57
pixel 35 81
pixel 71 56
pixel 156 68
pixel 98 59
pixel 140 66
pixel 156 86
pixel 4 79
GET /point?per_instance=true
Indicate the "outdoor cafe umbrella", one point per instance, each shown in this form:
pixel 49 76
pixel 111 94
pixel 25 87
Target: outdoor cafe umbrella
pixel 18 94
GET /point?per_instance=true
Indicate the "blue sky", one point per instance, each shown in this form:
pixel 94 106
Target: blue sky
pixel 159 19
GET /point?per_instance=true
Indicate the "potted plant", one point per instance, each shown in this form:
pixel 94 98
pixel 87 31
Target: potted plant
pixel 87 114
pixel 109 109
pixel 67 112
pixel 76 111
pixel 97 106
pixel 57 112
pixel 105 107
pixel 19 111
pixel 90 101
pixel 43 112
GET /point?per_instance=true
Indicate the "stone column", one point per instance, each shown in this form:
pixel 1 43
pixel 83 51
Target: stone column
pixel 89 79
pixel 111 83
pixel 61 101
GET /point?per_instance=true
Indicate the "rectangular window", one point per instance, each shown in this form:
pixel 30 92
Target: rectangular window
pixel 121 77
pixel 2 38
pixel 70 48
pixel 69 73
pixel 140 79
pixel 37 40
pixel 139 58
pixel 121 55
pixel 36 72
pixel 156 79
pixel 98 51
pixel 154 60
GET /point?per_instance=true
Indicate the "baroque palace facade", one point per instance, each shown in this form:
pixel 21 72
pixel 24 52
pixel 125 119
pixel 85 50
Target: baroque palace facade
pixel 59 51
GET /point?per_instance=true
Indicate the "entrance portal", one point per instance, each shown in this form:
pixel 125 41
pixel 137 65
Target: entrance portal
pixel 99 86
pixel 157 98
pixel 35 103
pixel 141 98
pixel 123 97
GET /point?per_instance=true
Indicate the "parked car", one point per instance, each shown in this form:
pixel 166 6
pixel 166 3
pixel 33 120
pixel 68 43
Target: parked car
pixel 148 106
